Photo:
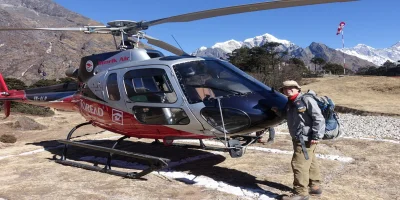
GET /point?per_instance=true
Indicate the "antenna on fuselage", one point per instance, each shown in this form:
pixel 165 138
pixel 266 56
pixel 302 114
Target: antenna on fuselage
pixel 177 43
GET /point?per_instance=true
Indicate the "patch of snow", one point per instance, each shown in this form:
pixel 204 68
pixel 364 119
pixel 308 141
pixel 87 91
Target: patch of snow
pixel 202 181
pixel 373 139
pixel 278 151
pixel 261 39
pixel 4 157
pixel 23 73
pixel 202 48
pixel 49 49
pixel 32 152
pixel 228 46
pixel 4 5
pixel 50 148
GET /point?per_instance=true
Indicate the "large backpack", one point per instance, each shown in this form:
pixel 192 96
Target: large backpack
pixel 332 124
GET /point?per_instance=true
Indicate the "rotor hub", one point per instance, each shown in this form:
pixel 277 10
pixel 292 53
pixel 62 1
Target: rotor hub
pixel 121 23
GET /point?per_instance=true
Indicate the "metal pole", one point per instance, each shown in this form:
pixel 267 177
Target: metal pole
pixel 222 117
pixel 344 59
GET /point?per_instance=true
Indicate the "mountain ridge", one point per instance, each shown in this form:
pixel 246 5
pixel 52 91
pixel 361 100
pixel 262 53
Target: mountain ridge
pixel 374 55
pixel 25 53
pixel 305 54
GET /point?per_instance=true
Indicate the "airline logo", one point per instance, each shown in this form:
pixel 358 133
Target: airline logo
pixel 89 66
pixel 94 110
pixel 118 116
pixel 114 60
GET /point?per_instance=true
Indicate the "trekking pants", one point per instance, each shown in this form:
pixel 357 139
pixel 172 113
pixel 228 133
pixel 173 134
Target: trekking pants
pixel 306 172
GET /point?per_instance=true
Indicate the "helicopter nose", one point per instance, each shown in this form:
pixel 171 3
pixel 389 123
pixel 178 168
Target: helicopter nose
pixel 246 113
pixel 232 120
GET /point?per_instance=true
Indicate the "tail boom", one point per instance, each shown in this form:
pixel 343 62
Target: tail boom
pixel 52 96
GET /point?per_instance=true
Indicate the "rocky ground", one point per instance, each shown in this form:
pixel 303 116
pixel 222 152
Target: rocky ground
pixel 374 127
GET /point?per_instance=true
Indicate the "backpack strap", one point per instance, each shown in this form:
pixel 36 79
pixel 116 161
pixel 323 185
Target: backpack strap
pixel 302 142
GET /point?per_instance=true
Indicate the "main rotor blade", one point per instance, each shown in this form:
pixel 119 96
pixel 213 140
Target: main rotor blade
pixel 41 29
pixel 239 9
pixel 164 45
pixel 86 29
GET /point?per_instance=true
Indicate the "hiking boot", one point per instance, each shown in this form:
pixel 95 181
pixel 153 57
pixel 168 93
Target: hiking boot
pixel 270 141
pixel 315 191
pixel 295 197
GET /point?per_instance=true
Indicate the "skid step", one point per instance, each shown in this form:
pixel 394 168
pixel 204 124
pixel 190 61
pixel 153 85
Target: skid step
pixel 133 175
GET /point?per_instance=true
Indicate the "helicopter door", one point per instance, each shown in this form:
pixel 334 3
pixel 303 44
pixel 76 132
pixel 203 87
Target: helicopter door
pixel 116 105
pixel 154 97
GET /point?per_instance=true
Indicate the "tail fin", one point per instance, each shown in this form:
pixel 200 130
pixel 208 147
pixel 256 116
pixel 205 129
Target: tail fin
pixel 3 86
pixel 4 92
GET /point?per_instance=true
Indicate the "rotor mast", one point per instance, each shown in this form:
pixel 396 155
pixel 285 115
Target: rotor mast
pixel 124 29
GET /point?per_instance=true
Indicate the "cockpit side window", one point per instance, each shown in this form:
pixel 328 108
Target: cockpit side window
pixel 112 87
pixel 149 85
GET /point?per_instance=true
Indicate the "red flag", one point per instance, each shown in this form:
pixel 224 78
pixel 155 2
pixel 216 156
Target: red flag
pixel 341 26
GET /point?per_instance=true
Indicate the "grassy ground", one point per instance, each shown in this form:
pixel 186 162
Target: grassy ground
pixel 376 94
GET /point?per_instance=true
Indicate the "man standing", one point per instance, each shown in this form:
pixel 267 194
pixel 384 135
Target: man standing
pixel 271 136
pixel 306 126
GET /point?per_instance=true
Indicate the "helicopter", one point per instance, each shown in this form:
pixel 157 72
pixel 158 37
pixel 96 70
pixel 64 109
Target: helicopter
pixel 141 93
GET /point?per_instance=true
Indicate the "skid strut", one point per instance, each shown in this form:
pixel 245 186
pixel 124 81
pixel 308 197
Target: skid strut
pixel 154 163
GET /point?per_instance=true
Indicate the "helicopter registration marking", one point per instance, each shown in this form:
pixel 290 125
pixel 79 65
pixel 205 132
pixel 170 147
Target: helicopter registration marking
pixel 92 109
pixel 40 98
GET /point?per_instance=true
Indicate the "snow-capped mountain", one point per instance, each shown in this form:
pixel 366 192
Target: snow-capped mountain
pixel 228 46
pixel 260 40
pixel 220 49
pixel 376 56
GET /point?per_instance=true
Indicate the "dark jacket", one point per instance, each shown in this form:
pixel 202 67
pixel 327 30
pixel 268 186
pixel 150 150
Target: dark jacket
pixel 304 118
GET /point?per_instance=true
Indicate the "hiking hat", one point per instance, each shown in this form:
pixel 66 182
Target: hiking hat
pixel 289 83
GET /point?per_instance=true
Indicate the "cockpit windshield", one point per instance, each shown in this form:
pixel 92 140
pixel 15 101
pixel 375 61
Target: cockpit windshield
pixel 204 79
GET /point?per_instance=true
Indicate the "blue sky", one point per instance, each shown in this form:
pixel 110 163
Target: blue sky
pixel 371 22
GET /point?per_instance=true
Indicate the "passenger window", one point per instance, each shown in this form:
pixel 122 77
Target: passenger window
pixel 112 87
pixel 149 85
pixel 161 116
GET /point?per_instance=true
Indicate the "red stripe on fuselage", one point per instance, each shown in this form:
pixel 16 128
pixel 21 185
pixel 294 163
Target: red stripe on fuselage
pixel 121 122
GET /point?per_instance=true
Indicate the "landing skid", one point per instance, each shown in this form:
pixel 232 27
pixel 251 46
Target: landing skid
pixel 154 163
pixel 235 148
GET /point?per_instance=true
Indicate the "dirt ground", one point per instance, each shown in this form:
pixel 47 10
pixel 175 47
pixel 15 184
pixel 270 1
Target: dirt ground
pixel 373 174
pixel 28 170
pixel 374 94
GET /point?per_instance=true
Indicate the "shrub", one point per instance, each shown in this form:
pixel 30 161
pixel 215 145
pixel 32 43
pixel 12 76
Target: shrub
pixel 31 109
pixel 8 138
